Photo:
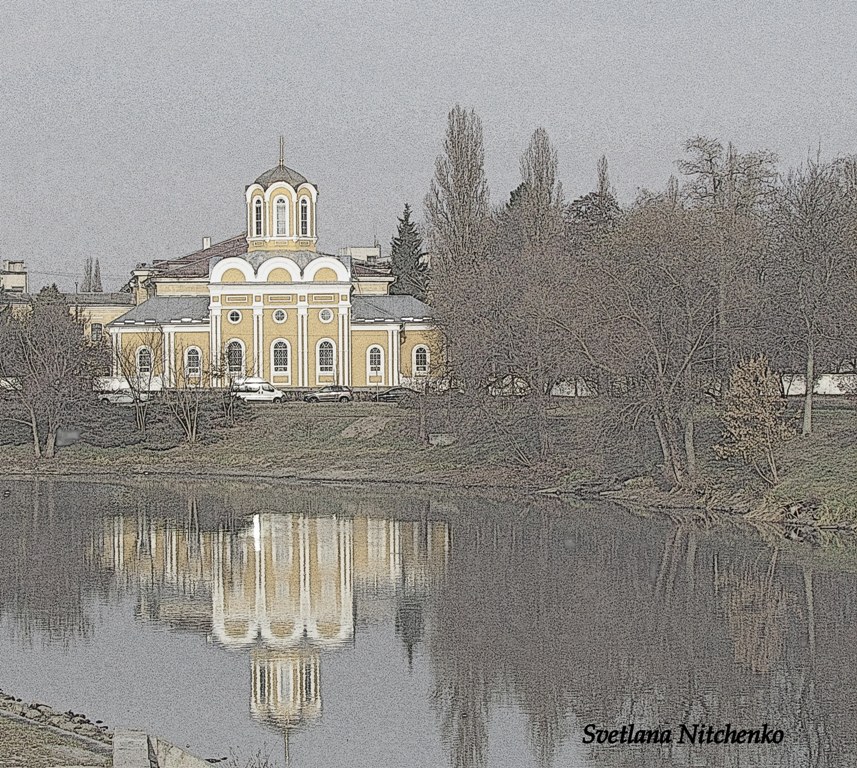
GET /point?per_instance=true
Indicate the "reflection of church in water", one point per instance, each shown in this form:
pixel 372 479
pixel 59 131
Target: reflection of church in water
pixel 284 587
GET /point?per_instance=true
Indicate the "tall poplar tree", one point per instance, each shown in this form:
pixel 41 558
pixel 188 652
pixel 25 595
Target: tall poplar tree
pixel 96 278
pixel 458 205
pixel 86 286
pixel 406 251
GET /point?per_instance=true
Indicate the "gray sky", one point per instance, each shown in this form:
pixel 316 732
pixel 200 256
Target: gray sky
pixel 130 129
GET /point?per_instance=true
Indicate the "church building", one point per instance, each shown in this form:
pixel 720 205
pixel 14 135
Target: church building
pixel 268 304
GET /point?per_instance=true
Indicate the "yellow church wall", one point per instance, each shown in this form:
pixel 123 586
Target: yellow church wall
pixel 280 299
pixel 130 342
pixel 232 276
pixel 242 331
pixel 371 288
pixel 182 288
pixel 360 342
pixel 280 190
pixel 271 331
pixel 279 275
pixel 316 331
pixel 100 314
pixel 414 338
pixel 325 275
pixel 183 341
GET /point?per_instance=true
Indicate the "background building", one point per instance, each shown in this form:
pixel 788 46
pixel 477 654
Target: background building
pixel 13 276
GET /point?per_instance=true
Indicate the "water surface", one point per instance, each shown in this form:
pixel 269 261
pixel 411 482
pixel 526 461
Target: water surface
pixel 369 628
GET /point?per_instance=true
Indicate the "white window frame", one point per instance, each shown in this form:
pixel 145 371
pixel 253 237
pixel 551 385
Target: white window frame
pixel 283 319
pixel 281 214
pixel 303 207
pixel 414 367
pixel 187 371
pixel 318 370
pixel 288 371
pixel 151 370
pixel 243 369
pixel 321 314
pixel 258 218
pixel 370 371
pixel 100 327
pixel 229 316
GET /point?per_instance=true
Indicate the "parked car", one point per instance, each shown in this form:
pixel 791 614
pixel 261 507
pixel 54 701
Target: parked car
pixel 394 395
pixel 257 391
pixel 122 397
pixel 331 394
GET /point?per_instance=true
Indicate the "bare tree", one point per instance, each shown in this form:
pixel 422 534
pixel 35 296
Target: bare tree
pixel 811 276
pixel 648 299
pixel 186 394
pixel 140 365
pixel 458 205
pixel 500 312
pixel 48 367
pixel 736 190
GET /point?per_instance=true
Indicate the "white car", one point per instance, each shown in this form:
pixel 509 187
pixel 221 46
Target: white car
pixel 257 391
pixel 121 397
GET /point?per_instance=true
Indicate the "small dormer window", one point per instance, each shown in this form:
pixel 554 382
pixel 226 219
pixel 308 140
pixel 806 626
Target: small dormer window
pixel 304 217
pixel 257 218
pixel 281 215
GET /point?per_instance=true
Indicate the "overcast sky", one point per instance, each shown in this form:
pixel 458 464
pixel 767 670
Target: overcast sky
pixel 130 129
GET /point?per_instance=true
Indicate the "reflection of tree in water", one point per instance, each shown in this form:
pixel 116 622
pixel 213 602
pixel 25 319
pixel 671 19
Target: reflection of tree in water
pixel 618 620
pixel 755 607
pixel 46 574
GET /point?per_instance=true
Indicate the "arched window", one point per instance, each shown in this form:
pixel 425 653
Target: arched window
pixel 280 357
pixel 421 361
pixel 144 361
pixel 192 362
pixel 281 216
pixel 234 358
pixel 96 331
pixel 375 360
pixel 304 217
pixel 325 357
pixel 257 218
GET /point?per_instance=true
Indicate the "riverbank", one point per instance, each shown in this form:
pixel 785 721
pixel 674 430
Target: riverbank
pixel 37 736
pixel 359 442
pixel 378 444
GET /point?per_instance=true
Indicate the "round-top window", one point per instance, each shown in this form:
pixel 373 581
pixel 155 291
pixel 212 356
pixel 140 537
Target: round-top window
pixel 280 315
pixel 234 316
pixel 326 315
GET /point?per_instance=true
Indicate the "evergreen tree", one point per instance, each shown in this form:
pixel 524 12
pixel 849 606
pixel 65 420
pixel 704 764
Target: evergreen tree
pixel 407 258
pixel 96 278
pixel 597 210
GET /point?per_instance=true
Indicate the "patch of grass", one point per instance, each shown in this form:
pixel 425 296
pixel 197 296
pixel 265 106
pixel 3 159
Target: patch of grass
pixel 821 470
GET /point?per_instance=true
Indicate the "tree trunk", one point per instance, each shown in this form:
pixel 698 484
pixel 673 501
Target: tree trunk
pixel 689 446
pixel 807 398
pixel 666 451
pixel 422 428
pixel 50 443
pixel 37 443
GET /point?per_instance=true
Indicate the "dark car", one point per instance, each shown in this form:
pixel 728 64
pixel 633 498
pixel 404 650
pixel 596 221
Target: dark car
pixel 332 394
pixel 394 395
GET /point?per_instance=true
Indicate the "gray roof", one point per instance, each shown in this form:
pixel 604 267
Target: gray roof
pixel 389 308
pixel 166 309
pixel 281 173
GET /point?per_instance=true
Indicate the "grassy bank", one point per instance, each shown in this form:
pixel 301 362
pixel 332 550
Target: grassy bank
pixel 355 441
pixel 379 443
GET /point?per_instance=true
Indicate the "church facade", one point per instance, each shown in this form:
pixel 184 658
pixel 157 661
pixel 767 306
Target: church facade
pixel 268 304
